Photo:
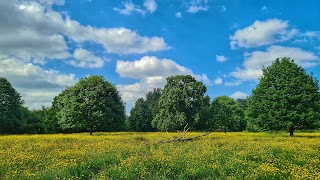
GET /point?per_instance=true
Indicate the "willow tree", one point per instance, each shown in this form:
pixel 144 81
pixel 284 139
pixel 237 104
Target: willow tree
pixel 285 99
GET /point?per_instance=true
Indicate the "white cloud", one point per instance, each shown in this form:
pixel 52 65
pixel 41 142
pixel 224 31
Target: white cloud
pixel 239 95
pixel 217 81
pixel 252 66
pixel 51 2
pixel 311 34
pixel 195 6
pixel 151 73
pixel 115 40
pixel 129 8
pixel 85 59
pixel 264 8
pixel 150 5
pixel 150 66
pixel 36 85
pixel 262 33
pixel 221 58
pixel 32 30
pixel 178 15
pixel 233 83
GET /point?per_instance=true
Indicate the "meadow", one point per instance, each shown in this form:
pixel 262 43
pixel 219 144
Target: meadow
pixel 126 155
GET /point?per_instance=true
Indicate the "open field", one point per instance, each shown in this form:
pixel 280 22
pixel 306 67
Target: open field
pixel 138 155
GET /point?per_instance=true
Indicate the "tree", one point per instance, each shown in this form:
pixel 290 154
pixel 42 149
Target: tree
pixel 181 103
pixel 285 98
pixel 10 108
pixel 242 103
pixel 33 120
pixel 93 104
pixel 226 114
pixel 140 117
pixel 152 99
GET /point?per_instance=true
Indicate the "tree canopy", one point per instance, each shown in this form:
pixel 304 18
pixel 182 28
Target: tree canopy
pixel 10 108
pixel 285 98
pixel 140 117
pixel 92 104
pixel 181 103
pixel 226 114
pixel 152 99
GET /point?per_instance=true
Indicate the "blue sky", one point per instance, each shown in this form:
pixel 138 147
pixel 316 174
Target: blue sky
pixel 46 45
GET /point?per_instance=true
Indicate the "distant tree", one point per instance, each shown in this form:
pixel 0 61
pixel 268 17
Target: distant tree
pixel 152 99
pixel 140 117
pixel 33 121
pixel 285 99
pixel 181 103
pixel 93 104
pixel 242 103
pixel 10 108
pixel 226 114
pixel 50 122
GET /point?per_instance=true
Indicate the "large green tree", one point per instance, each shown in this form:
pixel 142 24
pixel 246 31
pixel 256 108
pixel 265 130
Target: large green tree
pixel 226 114
pixel 152 99
pixel 140 117
pixel 182 102
pixel 92 104
pixel 10 108
pixel 285 99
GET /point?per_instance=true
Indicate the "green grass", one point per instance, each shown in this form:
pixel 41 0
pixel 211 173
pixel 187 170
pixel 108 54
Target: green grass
pixel 139 156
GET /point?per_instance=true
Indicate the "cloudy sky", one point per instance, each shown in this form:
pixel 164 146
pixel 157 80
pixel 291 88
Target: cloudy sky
pixel 46 45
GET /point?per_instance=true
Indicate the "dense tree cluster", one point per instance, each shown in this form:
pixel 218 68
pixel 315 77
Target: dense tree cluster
pixel 286 98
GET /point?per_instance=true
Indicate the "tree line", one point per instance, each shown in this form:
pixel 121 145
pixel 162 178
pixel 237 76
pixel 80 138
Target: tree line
pixel 286 98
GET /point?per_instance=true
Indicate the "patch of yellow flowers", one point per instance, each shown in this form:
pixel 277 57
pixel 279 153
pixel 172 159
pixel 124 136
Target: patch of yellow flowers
pixel 130 155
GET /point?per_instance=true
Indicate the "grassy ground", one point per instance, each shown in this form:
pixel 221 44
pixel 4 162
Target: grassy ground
pixel 138 156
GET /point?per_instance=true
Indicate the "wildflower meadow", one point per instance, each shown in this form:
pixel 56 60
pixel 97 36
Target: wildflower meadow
pixel 126 155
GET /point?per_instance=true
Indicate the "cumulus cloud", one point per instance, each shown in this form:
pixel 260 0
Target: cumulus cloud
pixel 239 95
pixel 36 85
pixel 32 30
pixel 262 33
pixel 150 66
pixel 221 58
pixel 85 59
pixel 151 73
pixel 254 61
pixel 195 6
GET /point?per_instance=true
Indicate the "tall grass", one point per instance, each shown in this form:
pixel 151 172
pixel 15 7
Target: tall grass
pixel 138 156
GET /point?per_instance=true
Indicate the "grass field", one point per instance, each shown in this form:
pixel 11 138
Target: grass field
pixel 140 156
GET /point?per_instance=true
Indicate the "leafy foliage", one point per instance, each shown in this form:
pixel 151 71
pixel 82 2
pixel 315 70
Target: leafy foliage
pixel 10 111
pixel 285 99
pixel 140 117
pixel 226 114
pixel 181 103
pixel 33 120
pixel 93 104
pixel 152 99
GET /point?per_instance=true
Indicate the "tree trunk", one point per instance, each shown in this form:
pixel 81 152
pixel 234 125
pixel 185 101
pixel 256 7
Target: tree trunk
pixel 291 129
pixel 90 131
pixel 225 130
